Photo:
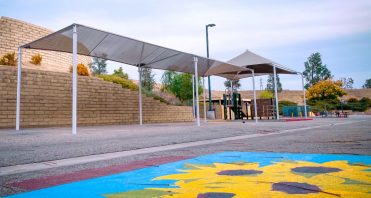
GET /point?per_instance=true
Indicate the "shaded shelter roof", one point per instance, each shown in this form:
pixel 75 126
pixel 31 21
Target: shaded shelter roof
pixel 97 43
pixel 260 65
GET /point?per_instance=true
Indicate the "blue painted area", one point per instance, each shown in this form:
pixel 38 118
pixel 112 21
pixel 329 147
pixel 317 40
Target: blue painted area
pixel 142 178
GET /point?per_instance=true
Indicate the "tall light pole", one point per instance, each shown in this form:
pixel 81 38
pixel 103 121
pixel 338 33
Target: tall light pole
pixel 207 54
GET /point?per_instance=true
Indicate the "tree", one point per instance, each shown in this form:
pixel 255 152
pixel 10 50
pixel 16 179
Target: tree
pixel 347 83
pixel 367 84
pixel 98 66
pixel 235 83
pixel 315 71
pixel 270 83
pixel 120 73
pixel 326 89
pixel 324 95
pixel 148 79
pixel 167 80
pixel 179 84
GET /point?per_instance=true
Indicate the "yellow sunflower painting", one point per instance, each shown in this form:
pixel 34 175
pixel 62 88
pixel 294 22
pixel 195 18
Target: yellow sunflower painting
pixel 279 179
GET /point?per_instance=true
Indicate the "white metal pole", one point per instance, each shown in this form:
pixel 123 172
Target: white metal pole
pixel 203 88
pixel 18 104
pixel 305 100
pixel 195 60
pixel 255 106
pixel 74 81
pixel 140 95
pixel 275 92
pixel 231 96
pixel 193 96
pixel 231 87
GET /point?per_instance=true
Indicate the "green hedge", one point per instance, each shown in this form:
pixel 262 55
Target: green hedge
pixel 128 84
pixel 125 83
pixel 356 105
pixel 352 104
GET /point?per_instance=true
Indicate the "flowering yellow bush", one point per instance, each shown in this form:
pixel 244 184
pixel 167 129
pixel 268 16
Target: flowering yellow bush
pixel 36 59
pixel 82 70
pixel 8 59
pixel 325 89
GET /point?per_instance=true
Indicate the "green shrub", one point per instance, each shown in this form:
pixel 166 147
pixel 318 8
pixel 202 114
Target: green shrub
pixel 120 73
pixel 8 59
pixel 356 105
pixel 266 95
pixel 366 101
pixel 321 105
pixel 352 100
pixel 128 84
pixel 154 96
pixel 36 59
pixel 125 83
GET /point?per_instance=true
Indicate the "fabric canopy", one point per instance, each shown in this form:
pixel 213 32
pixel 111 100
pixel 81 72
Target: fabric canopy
pixel 109 46
pixel 260 65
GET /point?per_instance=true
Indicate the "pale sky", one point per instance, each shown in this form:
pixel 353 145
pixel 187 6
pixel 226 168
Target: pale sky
pixel 285 31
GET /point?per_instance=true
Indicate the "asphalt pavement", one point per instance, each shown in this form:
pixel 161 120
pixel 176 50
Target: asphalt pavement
pixel 40 146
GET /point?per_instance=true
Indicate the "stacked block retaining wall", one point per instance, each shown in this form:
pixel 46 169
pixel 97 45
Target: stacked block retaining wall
pixel 46 101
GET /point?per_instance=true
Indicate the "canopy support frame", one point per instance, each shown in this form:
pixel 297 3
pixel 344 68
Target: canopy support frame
pixel 140 96
pixel 304 97
pixel 203 93
pixel 195 60
pixel 254 91
pixel 74 81
pixel 140 70
pixel 18 103
pixel 193 96
pixel 275 92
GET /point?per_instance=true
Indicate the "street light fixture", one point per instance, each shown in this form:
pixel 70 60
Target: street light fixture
pixel 207 54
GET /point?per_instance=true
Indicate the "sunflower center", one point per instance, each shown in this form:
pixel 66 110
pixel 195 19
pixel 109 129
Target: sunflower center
pixel 295 188
pixel 215 195
pixel 315 169
pixel 239 172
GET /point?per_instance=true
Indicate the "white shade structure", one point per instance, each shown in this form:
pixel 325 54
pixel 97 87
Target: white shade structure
pixel 258 65
pixel 84 40
pixel 97 43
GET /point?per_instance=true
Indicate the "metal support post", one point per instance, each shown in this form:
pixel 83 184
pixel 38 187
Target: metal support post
pixel 18 104
pixel 255 106
pixel 74 81
pixel 195 60
pixel 275 92
pixel 203 91
pixel 193 96
pixel 140 96
pixel 305 100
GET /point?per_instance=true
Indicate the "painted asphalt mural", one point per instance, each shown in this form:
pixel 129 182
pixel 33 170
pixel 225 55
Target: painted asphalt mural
pixel 232 174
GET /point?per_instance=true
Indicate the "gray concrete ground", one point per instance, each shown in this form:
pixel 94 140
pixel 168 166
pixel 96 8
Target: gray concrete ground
pixel 331 135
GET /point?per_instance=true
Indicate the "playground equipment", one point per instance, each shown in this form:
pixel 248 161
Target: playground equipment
pixel 265 109
pixel 233 106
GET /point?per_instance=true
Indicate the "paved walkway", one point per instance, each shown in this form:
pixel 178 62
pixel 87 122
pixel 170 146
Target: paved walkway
pixel 15 169
pixel 37 158
pixel 47 144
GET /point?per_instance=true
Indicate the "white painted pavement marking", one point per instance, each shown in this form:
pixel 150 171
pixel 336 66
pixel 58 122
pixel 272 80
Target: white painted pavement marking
pixel 22 168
